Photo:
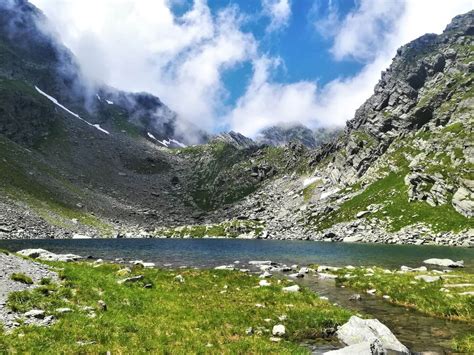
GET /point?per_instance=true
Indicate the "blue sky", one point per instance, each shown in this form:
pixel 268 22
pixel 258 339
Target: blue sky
pixel 246 64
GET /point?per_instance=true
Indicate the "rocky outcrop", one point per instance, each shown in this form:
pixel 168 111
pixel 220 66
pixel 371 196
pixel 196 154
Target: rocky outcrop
pixel 368 334
pixel 463 198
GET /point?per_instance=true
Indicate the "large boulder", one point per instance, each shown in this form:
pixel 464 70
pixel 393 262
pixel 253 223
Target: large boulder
pixel 463 198
pixel 370 348
pixel 444 262
pixel 45 255
pixel 358 331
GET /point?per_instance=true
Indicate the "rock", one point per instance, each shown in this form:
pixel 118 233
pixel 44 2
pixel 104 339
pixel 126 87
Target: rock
pixel 374 347
pixel 225 267
pixel 64 310
pixel 371 291
pixel 355 297
pixel 323 275
pixel 428 278
pixel 445 262
pixel 362 214
pixel 303 270
pixel 131 279
pixel 463 198
pixel 48 256
pixel 102 305
pixel 260 263
pixel 353 239
pixel 294 288
pixel 249 331
pixel 35 313
pixel 265 275
pixel 358 330
pixel 279 330
pixel 179 278
pixel 264 283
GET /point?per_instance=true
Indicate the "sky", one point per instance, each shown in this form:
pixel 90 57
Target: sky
pixel 245 65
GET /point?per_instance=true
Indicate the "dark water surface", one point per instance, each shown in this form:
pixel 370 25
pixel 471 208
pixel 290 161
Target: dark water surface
pixel 419 332
pixel 213 252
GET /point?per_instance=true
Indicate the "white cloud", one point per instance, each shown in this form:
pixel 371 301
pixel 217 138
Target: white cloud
pixel 279 12
pixel 143 46
pixel 266 103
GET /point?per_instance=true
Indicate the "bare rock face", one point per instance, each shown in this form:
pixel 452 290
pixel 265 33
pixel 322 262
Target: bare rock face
pixel 463 198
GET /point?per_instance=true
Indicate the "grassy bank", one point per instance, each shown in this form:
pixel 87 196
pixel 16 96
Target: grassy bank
pixel 211 311
pixel 445 297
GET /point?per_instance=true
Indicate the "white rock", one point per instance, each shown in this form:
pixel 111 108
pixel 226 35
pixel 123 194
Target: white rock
pixel 225 267
pixel 265 275
pixel 260 262
pixel 264 283
pixel 372 291
pixel 279 330
pixel 294 288
pixel 358 330
pixel 35 313
pixel 48 256
pixel 427 278
pixel 179 278
pixel 64 310
pixel 444 262
pixel 365 348
pixel 323 275
pixel 303 270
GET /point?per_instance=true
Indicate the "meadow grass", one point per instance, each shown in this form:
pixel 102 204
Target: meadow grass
pixel 439 298
pixel 19 277
pixel 210 312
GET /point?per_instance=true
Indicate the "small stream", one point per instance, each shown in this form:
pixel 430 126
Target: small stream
pixel 419 332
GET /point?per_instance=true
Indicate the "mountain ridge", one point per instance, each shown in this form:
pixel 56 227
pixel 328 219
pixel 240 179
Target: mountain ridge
pixel 102 168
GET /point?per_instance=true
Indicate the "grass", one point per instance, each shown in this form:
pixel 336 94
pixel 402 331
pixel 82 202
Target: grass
pixel 229 229
pixel 427 297
pixel 24 279
pixel 308 191
pixel 209 312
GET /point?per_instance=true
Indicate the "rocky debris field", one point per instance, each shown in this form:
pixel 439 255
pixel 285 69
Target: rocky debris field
pixel 18 274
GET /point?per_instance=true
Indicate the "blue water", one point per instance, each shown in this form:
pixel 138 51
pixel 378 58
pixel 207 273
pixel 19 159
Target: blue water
pixel 213 252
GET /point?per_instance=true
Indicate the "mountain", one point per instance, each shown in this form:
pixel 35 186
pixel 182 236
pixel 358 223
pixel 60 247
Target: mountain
pixel 85 159
pixel 281 135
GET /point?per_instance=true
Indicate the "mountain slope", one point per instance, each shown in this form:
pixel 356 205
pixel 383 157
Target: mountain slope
pixel 403 169
pixel 93 160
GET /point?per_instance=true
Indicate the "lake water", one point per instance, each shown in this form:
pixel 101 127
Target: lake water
pixel 419 332
pixel 213 252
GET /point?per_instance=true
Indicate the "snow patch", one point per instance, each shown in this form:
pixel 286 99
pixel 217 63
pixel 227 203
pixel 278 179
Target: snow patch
pixel 109 102
pixel 182 145
pixel 310 181
pixel 165 142
pixel 151 136
pixel 98 97
pixel 53 100
pixel 326 194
